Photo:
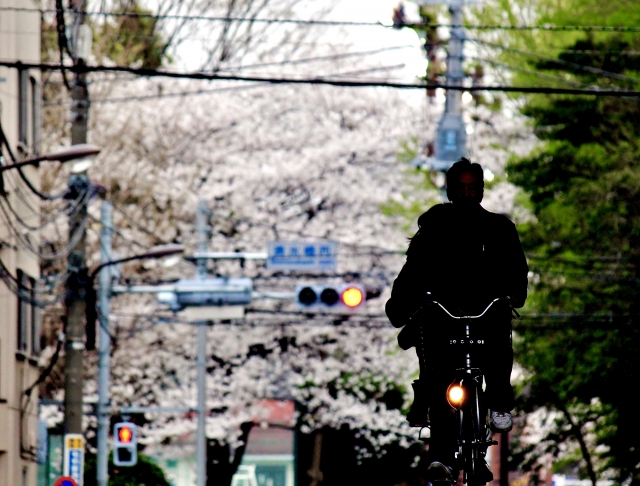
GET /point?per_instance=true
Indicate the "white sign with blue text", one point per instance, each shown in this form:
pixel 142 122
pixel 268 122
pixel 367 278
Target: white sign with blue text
pixel 306 256
pixel 74 457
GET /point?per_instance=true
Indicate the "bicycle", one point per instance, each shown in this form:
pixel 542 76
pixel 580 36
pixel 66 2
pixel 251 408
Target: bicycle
pixel 465 396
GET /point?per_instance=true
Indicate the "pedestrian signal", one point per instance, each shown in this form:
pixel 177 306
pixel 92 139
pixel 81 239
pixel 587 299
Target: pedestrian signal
pixel 339 296
pixel 125 447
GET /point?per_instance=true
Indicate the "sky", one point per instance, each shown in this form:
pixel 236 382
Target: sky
pixel 352 38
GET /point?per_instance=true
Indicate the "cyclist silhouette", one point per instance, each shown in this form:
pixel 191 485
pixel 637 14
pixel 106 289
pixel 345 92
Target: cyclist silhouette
pixel 465 256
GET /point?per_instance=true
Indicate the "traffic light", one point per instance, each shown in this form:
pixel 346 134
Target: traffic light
pixel 343 296
pixel 125 447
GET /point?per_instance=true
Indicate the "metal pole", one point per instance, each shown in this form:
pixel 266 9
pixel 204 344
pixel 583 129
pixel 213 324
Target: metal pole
pixel 201 450
pixel 455 74
pixel 104 346
pixel 451 137
pixel 201 272
pixel 78 185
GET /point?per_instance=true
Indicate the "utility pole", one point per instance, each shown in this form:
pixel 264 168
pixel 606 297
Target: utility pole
pixel 77 261
pixel 451 135
pixel 104 345
pixel 451 138
pixel 201 273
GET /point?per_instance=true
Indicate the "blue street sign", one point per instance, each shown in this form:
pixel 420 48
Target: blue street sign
pixel 43 442
pixel 307 256
pixel 74 457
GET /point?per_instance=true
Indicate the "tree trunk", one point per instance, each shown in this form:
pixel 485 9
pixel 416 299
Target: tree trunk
pixel 577 431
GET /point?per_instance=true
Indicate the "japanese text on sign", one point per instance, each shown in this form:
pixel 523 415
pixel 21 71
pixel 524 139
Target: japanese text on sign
pixel 302 255
pixel 74 457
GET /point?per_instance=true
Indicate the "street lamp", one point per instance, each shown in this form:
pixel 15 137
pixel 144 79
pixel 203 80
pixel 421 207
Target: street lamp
pixel 104 347
pixel 81 151
pixel 81 155
pixel 156 252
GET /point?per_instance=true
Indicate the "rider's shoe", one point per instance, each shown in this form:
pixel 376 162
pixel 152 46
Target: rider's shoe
pixel 484 475
pixel 439 473
pixel 501 421
pixel 418 415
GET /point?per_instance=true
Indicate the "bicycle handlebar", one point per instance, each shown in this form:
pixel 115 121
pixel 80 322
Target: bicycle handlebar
pixel 467 317
pixel 432 300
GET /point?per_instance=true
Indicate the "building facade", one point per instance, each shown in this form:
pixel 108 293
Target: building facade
pixel 19 265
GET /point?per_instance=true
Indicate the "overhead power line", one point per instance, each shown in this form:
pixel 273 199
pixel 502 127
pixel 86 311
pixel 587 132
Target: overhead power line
pixel 321 81
pixel 177 94
pixel 243 67
pixel 331 57
pixel 180 94
pixel 528 71
pixel 585 28
pixel 574 65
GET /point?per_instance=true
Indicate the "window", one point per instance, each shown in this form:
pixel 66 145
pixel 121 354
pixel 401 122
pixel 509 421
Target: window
pixel 29 111
pixel 28 315
pixel 36 115
pixel 36 325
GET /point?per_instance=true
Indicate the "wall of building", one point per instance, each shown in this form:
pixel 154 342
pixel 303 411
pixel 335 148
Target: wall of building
pixel 19 40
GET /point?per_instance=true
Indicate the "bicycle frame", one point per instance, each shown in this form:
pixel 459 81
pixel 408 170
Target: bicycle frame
pixel 473 435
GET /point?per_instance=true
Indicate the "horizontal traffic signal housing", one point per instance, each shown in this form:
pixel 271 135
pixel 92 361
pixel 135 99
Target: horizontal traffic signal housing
pixel 125 444
pixel 208 292
pixel 325 296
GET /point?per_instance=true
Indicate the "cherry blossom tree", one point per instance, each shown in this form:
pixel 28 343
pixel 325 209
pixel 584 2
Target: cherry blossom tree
pixel 273 162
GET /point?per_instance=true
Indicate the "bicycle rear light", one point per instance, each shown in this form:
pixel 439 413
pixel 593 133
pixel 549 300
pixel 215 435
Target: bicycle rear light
pixel 455 395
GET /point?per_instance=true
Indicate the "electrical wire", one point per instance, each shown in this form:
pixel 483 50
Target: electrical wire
pixel 351 73
pixel 329 82
pixel 134 223
pixel 213 90
pixel 26 396
pixel 4 142
pixel 19 219
pixel 332 57
pixel 574 65
pixel 227 19
pixel 180 94
pixel 70 208
pixel 23 198
pixel 44 197
pixel 201 91
pixel 63 45
pixel 47 371
pixel 528 71
pixel 25 243
pixel 599 51
pixel 17 190
pixel 16 288
pixel 127 239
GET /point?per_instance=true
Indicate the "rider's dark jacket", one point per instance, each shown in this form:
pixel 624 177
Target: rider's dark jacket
pixel 465 257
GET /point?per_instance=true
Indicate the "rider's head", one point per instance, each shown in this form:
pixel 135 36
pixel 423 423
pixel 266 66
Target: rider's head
pixel 465 183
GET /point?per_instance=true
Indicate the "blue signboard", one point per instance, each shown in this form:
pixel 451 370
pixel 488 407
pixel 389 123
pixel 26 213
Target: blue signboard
pixel 306 256
pixel 43 442
pixel 74 457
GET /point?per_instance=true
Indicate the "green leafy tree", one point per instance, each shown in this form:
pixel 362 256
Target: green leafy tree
pixel 144 473
pixel 584 187
pixel 132 39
